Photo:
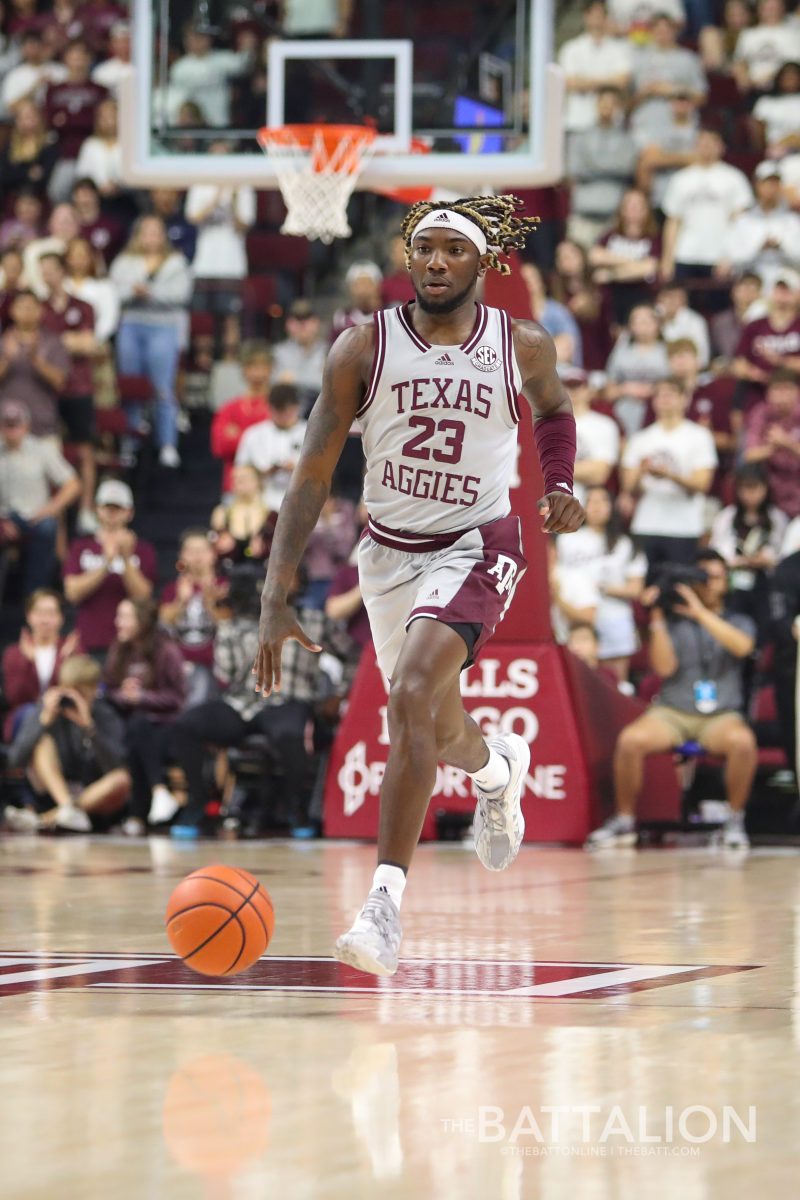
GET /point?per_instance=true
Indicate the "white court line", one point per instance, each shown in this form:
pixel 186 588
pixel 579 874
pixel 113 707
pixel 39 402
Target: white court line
pixel 85 968
pixel 591 983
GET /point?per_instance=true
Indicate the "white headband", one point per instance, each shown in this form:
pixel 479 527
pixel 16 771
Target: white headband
pixel 445 218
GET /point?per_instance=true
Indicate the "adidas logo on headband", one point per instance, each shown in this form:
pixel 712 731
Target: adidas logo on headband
pixel 442 216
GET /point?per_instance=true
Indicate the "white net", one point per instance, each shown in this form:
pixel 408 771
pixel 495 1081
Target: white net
pixel 317 171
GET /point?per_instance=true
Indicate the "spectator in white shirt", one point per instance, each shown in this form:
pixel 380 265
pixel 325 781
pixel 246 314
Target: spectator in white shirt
pixel 604 554
pixel 679 321
pixel 661 70
pixel 760 51
pixel 82 282
pixel 273 446
pixel 29 80
pixel 222 216
pixel 598 437
pixel 700 205
pixel 202 75
pixel 670 466
pixel 779 113
pixel 100 158
pixel 61 228
pixel 590 62
pixel 766 238
pixel 111 70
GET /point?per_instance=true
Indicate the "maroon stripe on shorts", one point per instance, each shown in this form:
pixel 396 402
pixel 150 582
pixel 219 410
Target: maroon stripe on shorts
pixel 413 543
pixel 378 359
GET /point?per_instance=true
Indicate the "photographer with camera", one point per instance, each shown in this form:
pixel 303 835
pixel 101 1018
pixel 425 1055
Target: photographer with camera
pixel 696 647
pixel 72 745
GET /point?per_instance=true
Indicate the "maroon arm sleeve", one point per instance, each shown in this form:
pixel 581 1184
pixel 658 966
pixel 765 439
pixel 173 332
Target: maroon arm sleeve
pixel 556 445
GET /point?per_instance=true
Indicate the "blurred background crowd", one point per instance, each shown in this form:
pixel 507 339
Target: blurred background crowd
pixel 160 352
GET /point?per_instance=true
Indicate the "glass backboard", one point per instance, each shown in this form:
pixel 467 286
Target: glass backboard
pixel 472 85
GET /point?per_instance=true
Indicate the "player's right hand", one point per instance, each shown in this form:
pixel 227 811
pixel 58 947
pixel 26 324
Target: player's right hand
pixel 277 625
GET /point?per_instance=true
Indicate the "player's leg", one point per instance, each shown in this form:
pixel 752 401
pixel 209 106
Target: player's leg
pixel 428 666
pixel 734 741
pixel 649 734
pixel 498 768
pixel 106 794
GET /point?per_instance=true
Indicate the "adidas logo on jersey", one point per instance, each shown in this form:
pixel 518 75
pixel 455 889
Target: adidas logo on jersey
pixel 444 360
pixel 434 595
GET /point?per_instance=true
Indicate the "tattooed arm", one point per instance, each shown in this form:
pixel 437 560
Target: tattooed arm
pixel 553 426
pixel 343 388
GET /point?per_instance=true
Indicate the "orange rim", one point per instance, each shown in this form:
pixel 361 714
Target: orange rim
pixel 323 141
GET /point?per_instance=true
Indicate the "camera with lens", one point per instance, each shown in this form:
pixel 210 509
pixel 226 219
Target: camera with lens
pixel 671 574
pixel 66 704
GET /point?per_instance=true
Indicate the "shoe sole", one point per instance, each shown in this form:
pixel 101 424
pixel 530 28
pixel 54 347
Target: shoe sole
pixel 347 953
pixel 519 769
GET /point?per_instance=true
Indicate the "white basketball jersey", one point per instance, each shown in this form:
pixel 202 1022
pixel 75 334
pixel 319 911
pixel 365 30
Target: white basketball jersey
pixel 439 427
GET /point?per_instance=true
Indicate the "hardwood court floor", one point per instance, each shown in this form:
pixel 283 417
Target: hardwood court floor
pixel 650 995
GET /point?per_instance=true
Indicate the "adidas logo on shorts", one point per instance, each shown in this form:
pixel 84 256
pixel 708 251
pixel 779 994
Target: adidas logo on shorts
pixel 444 360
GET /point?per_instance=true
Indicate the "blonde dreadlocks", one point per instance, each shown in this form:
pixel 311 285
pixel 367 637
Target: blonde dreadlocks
pixel 494 216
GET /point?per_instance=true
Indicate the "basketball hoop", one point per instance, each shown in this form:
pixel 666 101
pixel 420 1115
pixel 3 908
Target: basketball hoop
pixel 317 168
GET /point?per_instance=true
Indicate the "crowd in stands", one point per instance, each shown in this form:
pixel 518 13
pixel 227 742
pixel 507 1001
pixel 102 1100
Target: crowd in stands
pixel 666 269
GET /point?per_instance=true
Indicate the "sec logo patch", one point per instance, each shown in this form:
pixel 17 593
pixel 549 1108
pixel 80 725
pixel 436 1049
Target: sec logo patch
pixel 486 358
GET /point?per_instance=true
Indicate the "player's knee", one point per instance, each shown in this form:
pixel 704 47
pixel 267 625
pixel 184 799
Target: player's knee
pixel 410 698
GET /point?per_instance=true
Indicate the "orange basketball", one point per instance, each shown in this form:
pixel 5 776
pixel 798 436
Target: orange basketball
pixel 220 920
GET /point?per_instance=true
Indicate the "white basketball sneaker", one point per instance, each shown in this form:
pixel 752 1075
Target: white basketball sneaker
pixel 499 825
pixel 373 941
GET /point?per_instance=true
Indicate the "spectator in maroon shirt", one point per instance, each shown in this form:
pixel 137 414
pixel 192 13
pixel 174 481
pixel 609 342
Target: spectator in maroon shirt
pixel 363 283
pixel 104 233
pixel 572 285
pixel 10 275
pixel 771 342
pixel 69 110
pixel 31 665
pixel 73 321
pixel 25 225
pixel 112 566
pixel 145 681
pixel 772 437
pixel 625 260
pixel 345 602
pixel 99 18
pixel 396 287
pixel 710 405
pixel 23 18
pixel 33 364
pixel 63 24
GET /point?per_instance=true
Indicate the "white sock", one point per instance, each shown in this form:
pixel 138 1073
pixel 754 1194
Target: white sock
pixel 494 775
pixel 392 880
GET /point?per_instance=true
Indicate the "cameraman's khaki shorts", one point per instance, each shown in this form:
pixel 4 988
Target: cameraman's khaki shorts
pixel 690 726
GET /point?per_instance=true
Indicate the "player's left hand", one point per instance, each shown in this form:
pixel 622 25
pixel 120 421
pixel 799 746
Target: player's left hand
pixel 560 513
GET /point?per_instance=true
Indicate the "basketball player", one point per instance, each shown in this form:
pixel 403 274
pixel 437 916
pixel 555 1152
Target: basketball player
pixel 434 386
